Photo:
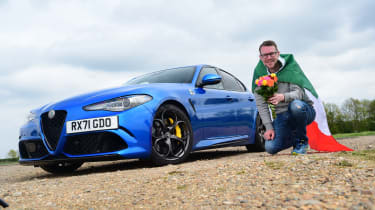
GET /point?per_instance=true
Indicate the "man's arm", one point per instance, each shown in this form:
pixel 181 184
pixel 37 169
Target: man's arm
pixel 264 112
pixel 295 93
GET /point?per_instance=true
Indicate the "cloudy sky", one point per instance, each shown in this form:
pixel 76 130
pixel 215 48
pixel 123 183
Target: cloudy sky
pixel 50 50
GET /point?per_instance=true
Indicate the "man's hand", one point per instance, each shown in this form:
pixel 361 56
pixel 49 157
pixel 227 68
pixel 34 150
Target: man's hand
pixel 269 135
pixel 276 98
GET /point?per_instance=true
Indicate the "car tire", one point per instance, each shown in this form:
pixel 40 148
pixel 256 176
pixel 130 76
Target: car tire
pixel 172 136
pixel 61 168
pixel 258 145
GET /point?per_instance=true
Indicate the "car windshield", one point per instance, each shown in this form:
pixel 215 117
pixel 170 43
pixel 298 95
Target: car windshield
pixel 176 75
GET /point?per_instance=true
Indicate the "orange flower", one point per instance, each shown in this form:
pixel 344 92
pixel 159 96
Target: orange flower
pixel 270 83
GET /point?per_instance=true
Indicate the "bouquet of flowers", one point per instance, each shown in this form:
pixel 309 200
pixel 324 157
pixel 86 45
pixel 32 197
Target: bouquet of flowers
pixel 268 87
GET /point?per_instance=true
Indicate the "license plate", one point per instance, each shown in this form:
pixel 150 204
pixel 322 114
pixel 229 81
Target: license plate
pixel 92 124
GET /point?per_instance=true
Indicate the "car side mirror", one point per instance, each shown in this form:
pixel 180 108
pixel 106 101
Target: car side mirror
pixel 210 79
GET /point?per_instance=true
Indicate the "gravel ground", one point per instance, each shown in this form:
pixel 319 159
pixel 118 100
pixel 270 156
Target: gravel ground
pixel 228 178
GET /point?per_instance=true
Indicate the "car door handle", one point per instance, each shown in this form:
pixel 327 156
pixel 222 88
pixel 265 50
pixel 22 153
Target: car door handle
pixel 229 98
pixel 251 99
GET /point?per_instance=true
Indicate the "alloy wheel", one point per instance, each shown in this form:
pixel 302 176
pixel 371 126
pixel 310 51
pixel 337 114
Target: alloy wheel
pixel 171 136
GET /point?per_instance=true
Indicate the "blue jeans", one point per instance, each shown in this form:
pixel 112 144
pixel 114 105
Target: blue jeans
pixel 290 126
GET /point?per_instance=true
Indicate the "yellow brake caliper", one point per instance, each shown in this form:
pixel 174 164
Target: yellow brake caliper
pixel 178 129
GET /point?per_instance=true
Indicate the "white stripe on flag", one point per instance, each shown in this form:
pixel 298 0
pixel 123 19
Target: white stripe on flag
pixel 320 118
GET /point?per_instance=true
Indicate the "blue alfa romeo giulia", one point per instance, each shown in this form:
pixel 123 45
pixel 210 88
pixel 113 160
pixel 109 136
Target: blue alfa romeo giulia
pixel 161 116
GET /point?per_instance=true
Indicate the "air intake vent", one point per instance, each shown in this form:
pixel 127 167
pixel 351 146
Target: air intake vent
pixel 32 149
pixel 93 143
pixel 52 127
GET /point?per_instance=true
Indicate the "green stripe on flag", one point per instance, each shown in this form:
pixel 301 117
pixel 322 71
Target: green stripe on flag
pixel 291 73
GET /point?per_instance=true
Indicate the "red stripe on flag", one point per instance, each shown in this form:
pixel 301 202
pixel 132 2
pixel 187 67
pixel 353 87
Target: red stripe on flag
pixel 321 142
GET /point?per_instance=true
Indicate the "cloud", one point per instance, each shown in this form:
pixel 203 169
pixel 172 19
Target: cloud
pixel 334 84
pixel 59 81
pixel 130 36
pixel 362 15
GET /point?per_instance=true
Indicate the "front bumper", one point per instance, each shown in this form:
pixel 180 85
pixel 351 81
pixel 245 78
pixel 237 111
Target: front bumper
pixel 131 140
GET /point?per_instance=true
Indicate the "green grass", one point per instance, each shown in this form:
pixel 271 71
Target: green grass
pixel 181 187
pixel 8 161
pixel 241 172
pixel 351 135
pixel 176 173
pixel 344 163
pixel 274 164
pixel 367 156
pixel 362 155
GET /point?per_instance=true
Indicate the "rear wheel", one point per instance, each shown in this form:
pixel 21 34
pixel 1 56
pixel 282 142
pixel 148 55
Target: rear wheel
pixel 172 136
pixel 61 168
pixel 258 145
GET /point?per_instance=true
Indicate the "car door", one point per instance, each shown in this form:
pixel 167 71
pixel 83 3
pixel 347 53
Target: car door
pixel 214 109
pixel 242 104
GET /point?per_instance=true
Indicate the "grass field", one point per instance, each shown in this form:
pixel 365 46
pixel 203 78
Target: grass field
pixel 362 155
pixel 351 135
pixel 8 161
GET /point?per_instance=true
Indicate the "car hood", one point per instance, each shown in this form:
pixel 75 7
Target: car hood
pixel 101 95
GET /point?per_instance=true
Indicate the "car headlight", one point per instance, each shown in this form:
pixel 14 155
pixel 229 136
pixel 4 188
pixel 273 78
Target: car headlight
pixel 31 116
pixel 119 104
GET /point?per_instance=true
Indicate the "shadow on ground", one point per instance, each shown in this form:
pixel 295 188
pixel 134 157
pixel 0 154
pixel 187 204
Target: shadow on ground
pixel 121 165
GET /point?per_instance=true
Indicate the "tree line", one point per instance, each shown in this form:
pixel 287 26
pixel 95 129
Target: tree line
pixel 352 116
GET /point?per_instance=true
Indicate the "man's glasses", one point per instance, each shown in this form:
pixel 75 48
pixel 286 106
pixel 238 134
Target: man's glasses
pixel 268 54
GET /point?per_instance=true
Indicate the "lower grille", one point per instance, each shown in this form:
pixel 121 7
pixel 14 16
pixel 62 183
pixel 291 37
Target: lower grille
pixel 52 127
pixel 94 143
pixel 32 149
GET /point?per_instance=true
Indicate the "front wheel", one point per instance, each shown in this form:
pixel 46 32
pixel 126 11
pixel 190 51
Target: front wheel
pixel 61 168
pixel 258 145
pixel 172 136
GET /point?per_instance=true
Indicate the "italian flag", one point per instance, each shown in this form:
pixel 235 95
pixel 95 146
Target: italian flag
pixel 320 138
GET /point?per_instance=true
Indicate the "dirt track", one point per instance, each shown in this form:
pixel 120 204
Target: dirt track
pixel 228 178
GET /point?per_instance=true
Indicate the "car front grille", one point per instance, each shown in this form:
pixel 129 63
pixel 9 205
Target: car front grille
pixel 32 149
pixel 93 143
pixel 52 127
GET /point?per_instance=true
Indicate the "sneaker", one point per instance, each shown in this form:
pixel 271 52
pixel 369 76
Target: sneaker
pixel 301 148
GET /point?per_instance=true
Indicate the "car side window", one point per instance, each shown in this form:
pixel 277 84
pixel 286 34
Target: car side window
pixel 209 70
pixel 242 86
pixel 230 82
